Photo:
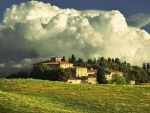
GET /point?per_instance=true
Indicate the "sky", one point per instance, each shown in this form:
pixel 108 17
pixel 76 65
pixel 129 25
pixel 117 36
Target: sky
pixel 128 8
pixel 33 31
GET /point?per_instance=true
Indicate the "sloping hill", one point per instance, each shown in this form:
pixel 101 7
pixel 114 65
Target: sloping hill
pixel 41 96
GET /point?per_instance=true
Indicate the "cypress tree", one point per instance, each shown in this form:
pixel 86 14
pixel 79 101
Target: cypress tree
pixel 101 76
pixel 144 66
pixel 148 65
pixel 69 60
pixel 63 59
pixel 109 59
pixel 73 59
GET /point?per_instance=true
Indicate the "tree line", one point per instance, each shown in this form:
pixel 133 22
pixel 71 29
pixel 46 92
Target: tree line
pixel 44 72
pixel 131 72
pixel 141 74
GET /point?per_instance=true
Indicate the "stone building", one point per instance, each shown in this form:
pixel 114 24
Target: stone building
pixel 78 71
pixel 109 73
pixel 55 62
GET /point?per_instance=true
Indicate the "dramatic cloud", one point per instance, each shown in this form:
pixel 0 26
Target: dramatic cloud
pixel 140 21
pixel 34 31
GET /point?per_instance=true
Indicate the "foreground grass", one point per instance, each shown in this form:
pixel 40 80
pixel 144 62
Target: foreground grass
pixel 39 96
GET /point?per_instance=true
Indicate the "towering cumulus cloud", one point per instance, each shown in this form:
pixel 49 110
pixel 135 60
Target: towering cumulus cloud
pixel 35 31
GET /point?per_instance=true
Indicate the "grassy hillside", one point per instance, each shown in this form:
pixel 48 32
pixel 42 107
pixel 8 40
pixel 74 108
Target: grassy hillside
pixel 38 96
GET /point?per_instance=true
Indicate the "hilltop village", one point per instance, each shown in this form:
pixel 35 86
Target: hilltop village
pixel 79 74
pixel 92 71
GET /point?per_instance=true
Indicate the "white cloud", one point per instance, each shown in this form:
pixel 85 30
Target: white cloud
pixel 2 65
pixel 139 20
pixel 17 66
pixel 48 30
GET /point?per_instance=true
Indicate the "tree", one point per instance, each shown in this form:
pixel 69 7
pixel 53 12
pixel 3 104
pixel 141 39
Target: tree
pixel 95 61
pixel 73 59
pixel 101 76
pixel 148 71
pixel 69 60
pixel 109 59
pixel 40 71
pixel 63 74
pixel 80 62
pixel 128 64
pixel 113 60
pixel 44 72
pixel 18 75
pixel 95 66
pixel 144 80
pixel 102 59
pixel 125 63
pixel 148 65
pixel 117 60
pixel 90 61
pixel 136 73
pixel 63 59
pixel 102 64
pixel 144 66
pixel 140 74
pixel 89 66
pixel 118 79
pixel 114 66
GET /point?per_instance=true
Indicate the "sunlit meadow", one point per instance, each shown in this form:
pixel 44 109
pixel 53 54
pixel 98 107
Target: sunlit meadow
pixel 42 96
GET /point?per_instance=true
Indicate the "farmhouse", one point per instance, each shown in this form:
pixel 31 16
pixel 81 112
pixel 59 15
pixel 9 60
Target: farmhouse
pixel 132 82
pixel 92 71
pixel 78 71
pixel 55 62
pixel 75 80
pixel 90 79
pixel 83 79
pixel 109 73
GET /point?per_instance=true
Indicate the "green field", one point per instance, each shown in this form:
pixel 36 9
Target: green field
pixel 39 96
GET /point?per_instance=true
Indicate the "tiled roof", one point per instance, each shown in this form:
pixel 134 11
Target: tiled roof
pixel 92 76
pixel 51 63
pixel 107 70
pixel 92 70
pixel 62 62
pixel 89 76
pixel 78 67
pixel 81 78
pixel 74 78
